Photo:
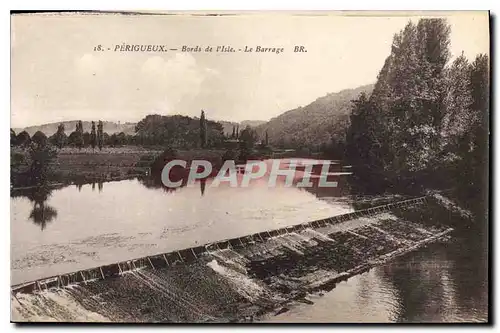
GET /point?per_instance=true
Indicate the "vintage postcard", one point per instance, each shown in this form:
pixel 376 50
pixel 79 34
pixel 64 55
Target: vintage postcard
pixel 236 167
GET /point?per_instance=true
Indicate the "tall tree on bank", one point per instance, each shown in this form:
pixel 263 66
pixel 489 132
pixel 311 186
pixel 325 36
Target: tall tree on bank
pixel 93 136
pixel 13 138
pixel 203 130
pixel 417 84
pixel 79 141
pixel 60 137
pixel 23 138
pixel 473 150
pixel 100 135
pixel 40 139
pixel 403 116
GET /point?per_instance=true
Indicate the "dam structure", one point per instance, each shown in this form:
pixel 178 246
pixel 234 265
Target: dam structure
pixel 239 279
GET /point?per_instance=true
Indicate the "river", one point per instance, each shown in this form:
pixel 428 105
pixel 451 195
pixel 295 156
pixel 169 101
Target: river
pixel 81 226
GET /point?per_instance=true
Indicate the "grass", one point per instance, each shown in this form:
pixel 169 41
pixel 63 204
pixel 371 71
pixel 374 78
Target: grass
pixel 111 163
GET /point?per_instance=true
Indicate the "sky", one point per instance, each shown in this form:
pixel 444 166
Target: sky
pixel 57 76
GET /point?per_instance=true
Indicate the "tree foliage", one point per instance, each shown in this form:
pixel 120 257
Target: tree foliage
pixel 424 121
pixel 100 135
pixel 59 138
pixel 177 131
pixel 39 138
pixel 93 136
pixel 203 130
pixel 23 138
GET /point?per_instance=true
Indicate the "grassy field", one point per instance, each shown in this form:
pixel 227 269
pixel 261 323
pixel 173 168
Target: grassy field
pixel 88 165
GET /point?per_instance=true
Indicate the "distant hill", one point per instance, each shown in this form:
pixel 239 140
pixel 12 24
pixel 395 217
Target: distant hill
pixel 69 126
pixel 251 123
pixel 112 127
pixel 315 123
pixel 312 124
pixel 228 125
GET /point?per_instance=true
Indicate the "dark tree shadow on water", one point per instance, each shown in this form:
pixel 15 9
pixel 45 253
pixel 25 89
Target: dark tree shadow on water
pixel 445 280
pixel 41 213
pixel 202 186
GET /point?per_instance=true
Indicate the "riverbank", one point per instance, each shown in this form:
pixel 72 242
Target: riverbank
pixel 86 165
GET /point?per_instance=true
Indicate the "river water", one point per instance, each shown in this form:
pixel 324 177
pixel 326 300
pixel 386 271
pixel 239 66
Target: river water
pixel 81 226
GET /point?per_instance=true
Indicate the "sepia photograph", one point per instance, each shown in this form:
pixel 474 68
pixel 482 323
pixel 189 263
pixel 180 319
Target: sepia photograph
pixel 250 167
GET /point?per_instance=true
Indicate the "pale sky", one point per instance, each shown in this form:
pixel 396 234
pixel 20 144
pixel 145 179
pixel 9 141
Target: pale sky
pixel 56 75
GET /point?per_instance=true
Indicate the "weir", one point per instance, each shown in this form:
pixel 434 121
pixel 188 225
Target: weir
pixel 189 254
pixel 233 279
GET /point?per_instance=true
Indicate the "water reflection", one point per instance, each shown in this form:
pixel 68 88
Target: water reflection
pixel 445 281
pixel 41 213
pixel 202 186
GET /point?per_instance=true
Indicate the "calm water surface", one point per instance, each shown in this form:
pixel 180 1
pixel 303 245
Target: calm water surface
pixel 78 227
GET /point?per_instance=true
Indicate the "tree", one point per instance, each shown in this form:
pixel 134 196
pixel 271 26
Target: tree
pixel 86 139
pixel 105 138
pixel 267 139
pixel 113 140
pixel 93 136
pixel 60 136
pixel 40 155
pixel 203 130
pixel 39 138
pixel 233 135
pixel 365 147
pixel 100 135
pixel 23 138
pixel 79 140
pixel 121 139
pixel 475 157
pixel 247 139
pixel 13 138
pixel 177 131
pixel 397 132
pixel 417 85
pixel 74 139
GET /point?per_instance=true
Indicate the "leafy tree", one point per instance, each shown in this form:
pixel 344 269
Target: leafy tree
pixel 105 138
pixel 247 138
pixel 60 137
pixel 100 135
pixel 86 139
pixel 39 138
pixel 203 130
pixel 40 156
pixel 113 140
pixel 121 138
pixel 176 131
pixel 401 122
pixel 93 136
pixel 267 139
pixel 473 168
pixel 23 138
pixel 78 138
pixel 73 139
pixel 13 138
pixel 365 147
